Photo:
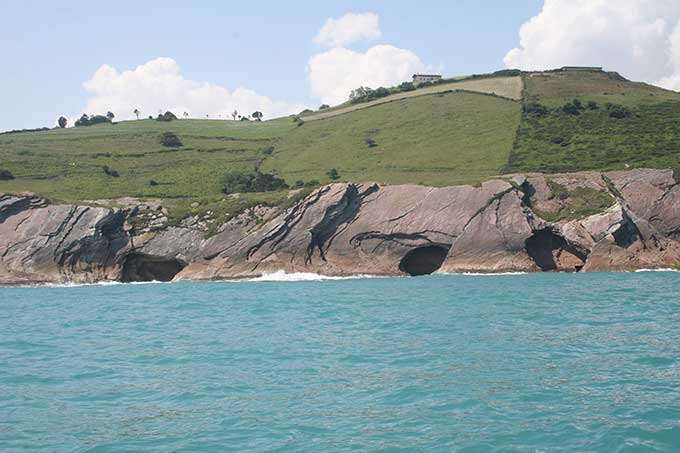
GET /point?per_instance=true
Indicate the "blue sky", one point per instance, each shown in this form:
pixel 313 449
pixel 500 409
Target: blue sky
pixel 50 49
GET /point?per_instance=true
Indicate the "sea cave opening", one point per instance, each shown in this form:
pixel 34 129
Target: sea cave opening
pixel 423 260
pixel 140 267
pixel 551 252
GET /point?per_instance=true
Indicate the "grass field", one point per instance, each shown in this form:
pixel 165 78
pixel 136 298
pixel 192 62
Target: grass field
pixel 438 139
pixel 592 139
pixel 509 87
pixel 423 137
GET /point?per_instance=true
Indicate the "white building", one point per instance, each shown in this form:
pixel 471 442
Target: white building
pixel 420 78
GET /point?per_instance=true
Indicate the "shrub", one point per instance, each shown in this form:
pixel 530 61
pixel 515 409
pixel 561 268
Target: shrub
pixel 573 108
pixel 170 140
pixel 236 182
pixel 618 111
pixel 167 116
pixel 312 183
pixel 153 183
pixel 371 143
pixel 592 105
pixel 87 120
pixel 406 86
pixel 508 72
pixel 62 122
pixel 425 84
pixel 324 106
pixel 5 175
pixel 299 184
pixel 110 172
pixel 534 108
pixel 267 150
pixel 333 174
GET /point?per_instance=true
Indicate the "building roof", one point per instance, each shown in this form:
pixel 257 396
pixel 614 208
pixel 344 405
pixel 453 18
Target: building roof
pixel 426 75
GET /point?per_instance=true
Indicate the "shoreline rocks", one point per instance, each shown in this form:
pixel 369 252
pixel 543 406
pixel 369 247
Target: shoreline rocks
pixel 346 229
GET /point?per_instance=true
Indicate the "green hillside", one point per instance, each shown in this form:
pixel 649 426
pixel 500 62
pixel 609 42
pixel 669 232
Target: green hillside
pixel 619 124
pixel 563 122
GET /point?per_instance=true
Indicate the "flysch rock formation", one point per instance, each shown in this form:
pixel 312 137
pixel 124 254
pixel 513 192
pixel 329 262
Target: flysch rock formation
pixel 348 229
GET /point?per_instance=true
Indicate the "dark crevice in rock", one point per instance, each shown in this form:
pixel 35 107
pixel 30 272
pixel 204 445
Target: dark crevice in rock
pixel 11 205
pixel 423 260
pixel 342 213
pixel 279 233
pixel 627 233
pixel 546 248
pixel 140 267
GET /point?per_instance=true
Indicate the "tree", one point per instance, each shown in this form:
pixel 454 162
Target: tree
pixel 136 112
pixel 62 122
pixel 257 115
pixel 110 116
pixel 333 174
pixel 234 114
pixel 5 175
pixel 167 116
pixel 406 86
pixel 186 115
pixel 358 93
pixel 324 106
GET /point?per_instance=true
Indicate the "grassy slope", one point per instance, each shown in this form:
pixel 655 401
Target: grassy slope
pixel 437 139
pixel 67 164
pixel 592 140
pixel 509 87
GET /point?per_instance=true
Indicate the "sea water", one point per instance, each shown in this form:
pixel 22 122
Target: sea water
pixel 539 362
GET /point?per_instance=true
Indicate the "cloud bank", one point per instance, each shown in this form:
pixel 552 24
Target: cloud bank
pixel 639 38
pixel 348 29
pixel 334 73
pixel 159 85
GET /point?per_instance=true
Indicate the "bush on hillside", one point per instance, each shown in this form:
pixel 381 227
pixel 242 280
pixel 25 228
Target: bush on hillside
pixel 110 172
pixel 573 108
pixel 167 116
pixel 238 182
pixel 333 174
pixel 90 120
pixel 267 150
pixel 534 108
pixel 618 111
pixel 6 175
pixel 508 72
pixel 592 105
pixel 170 140
pixel 406 86
pixel 324 106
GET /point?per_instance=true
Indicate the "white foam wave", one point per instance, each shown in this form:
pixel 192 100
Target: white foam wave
pixel 658 270
pixel 78 285
pixel 282 276
pixel 482 274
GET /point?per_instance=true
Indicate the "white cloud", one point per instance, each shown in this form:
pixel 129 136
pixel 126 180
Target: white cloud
pixel 334 73
pixel 639 38
pixel 348 29
pixel 159 85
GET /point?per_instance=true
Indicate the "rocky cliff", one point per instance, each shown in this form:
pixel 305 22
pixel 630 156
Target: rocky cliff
pixel 567 222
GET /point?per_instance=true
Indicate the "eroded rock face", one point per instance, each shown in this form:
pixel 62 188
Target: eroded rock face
pixel 345 229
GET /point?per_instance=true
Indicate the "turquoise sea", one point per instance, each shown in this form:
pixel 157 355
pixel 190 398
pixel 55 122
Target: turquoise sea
pixel 531 363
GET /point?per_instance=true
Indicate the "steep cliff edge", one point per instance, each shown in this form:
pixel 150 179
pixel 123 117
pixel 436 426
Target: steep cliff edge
pixel 568 222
